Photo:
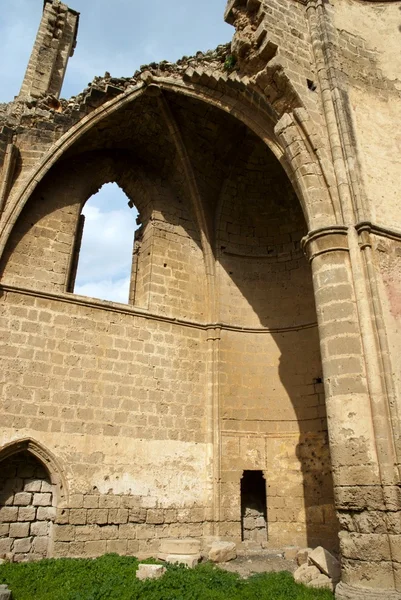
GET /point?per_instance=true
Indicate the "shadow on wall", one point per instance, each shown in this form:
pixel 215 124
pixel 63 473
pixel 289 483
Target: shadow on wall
pixel 272 381
pixel 272 402
pixel 26 508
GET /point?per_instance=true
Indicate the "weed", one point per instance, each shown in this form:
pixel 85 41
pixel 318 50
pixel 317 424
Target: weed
pixel 230 63
pixel 112 577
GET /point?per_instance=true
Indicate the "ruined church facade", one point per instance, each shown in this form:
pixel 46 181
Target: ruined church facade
pixel 250 389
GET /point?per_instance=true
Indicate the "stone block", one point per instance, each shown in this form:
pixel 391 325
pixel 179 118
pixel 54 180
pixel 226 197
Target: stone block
pixel 150 571
pixel 5 593
pixel 5 545
pixel 222 552
pixel 40 545
pixel 33 485
pixel 47 513
pixel 46 487
pixel 22 499
pixel 137 515
pixel 189 560
pixel 39 528
pixel 155 517
pixel 117 546
pixel 291 552
pixel 118 516
pixel 40 499
pixel 303 556
pixel 305 573
pixel 97 516
pixel 27 513
pixel 19 530
pixel 326 563
pixel 8 514
pixel 77 516
pixel 321 582
pixel 180 546
pixel 23 545
pixel 64 533
pixel 95 548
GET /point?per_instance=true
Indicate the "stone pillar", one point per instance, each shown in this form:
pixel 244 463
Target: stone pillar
pixel 54 44
pixel 365 491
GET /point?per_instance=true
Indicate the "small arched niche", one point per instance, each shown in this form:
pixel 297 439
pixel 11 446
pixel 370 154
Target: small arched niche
pixel 28 499
pixel 107 243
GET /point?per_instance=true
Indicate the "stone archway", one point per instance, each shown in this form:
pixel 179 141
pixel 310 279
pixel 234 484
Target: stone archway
pixel 329 245
pixel 29 494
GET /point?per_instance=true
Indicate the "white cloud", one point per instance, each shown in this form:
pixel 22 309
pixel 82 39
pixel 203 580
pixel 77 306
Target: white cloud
pixel 105 259
pixel 115 290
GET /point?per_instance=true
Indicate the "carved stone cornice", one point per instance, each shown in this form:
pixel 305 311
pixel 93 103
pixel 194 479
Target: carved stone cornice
pixel 324 240
pixel 366 228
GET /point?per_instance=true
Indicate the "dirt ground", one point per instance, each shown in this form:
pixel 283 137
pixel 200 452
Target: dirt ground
pixel 258 560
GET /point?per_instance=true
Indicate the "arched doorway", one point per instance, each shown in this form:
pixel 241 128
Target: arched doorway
pixel 27 507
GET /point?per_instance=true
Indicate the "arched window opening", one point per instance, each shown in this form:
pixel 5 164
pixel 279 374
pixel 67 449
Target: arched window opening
pixel 27 511
pixel 253 506
pixel 104 260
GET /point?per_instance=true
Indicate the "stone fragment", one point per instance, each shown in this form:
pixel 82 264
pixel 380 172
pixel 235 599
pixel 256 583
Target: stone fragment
pixel 189 560
pixel 150 571
pixel 303 555
pixel 222 551
pixel 180 546
pixel 326 563
pixel 5 593
pixel 305 574
pixel 291 552
pixel 322 581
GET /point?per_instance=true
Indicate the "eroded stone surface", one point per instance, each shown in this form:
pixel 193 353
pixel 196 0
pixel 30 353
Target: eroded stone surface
pixel 240 160
pixel 326 563
pixel 222 551
pixel 150 571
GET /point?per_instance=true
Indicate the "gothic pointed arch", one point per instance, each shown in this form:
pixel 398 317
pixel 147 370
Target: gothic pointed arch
pixel 46 458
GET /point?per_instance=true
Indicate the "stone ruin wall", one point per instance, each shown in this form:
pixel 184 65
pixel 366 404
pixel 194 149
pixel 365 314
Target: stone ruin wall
pixel 131 386
pixel 140 444
pixel 27 508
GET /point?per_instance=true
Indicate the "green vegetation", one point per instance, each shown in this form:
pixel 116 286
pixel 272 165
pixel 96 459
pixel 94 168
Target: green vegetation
pixel 112 577
pixel 230 63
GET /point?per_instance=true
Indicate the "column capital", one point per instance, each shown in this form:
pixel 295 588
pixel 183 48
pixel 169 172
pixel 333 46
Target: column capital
pixel 326 239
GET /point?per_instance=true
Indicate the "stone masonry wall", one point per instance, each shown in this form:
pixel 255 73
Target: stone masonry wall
pixel 170 262
pixel 27 508
pixel 368 65
pixel 276 422
pixel 120 400
pixel 273 416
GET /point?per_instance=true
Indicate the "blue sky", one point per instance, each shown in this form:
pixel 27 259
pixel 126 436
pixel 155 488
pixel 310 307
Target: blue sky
pixel 116 36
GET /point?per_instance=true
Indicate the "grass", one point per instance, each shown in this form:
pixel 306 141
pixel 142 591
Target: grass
pixel 112 577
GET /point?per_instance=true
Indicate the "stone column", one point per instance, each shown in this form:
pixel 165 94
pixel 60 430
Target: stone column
pixel 363 476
